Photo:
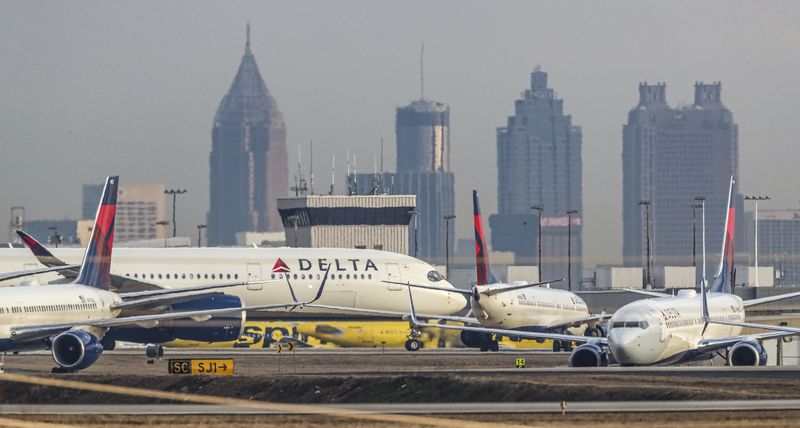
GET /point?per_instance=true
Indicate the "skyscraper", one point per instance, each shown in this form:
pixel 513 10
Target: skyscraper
pixel 539 164
pixel 249 164
pixel 670 156
pixel 423 169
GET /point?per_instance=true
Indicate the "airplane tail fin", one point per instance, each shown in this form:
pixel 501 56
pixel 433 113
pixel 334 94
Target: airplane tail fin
pixel 482 267
pixel 96 267
pixel 42 254
pixel 723 281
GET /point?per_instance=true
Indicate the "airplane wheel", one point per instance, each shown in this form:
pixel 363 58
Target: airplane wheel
pixel 593 332
pixel 154 351
pixel 494 346
pixel 413 345
pixel 556 345
pixel 567 346
pixel 484 346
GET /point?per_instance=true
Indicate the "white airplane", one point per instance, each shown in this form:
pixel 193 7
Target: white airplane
pixel 72 319
pixel 356 276
pixel 667 330
pixel 516 307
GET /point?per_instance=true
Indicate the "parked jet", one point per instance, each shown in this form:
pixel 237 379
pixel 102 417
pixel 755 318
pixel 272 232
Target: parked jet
pixel 684 328
pixel 516 307
pixel 72 319
pixel 356 276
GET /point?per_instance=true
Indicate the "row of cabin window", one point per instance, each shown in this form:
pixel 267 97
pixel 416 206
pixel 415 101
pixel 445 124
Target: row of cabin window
pixel 47 308
pixel 311 276
pixel 183 276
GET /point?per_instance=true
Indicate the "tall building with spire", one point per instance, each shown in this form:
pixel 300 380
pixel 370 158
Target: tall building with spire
pixel 539 164
pixel 249 163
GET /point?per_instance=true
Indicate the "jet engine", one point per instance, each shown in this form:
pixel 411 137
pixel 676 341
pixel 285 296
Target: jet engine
pixel 76 350
pixel 588 355
pixel 471 339
pixel 747 353
pixel 219 328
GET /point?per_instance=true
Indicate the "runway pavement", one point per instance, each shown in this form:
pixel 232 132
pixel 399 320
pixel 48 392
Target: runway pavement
pixel 413 408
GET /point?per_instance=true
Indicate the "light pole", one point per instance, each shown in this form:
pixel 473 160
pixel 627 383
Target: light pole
pixel 56 237
pixel 647 277
pixel 539 209
pixel 694 235
pixel 569 248
pixel 755 236
pixel 174 193
pixel 414 212
pixel 447 220
pixel 163 223
pixel 702 200
pixel 200 228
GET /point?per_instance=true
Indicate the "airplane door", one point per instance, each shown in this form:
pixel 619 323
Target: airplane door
pixel 254 274
pixel 393 274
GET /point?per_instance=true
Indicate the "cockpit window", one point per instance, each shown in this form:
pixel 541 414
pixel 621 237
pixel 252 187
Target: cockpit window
pixel 435 276
pixel 630 324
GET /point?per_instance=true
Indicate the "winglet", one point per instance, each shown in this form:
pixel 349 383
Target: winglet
pixel 96 267
pixel 321 286
pixel 414 320
pixel 41 253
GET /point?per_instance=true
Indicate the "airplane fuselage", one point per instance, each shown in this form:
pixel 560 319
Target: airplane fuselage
pixel 50 304
pixel 669 329
pixel 534 308
pixel 355 277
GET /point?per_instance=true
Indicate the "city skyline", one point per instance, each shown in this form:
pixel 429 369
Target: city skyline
pixel 141 100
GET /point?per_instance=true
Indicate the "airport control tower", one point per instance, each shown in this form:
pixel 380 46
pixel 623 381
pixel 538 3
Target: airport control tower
pixel 249 163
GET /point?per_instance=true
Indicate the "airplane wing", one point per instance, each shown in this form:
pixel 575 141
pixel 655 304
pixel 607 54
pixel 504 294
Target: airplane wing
pixel 45 257
pixel 23 273
pixel 645 292
pixel 710 345
pixel 776 332
pixel 770 299
pixel 502 332
pixel 166 291
pixel 512 287
pixel 151 320
pixel 432 287
pixel 146 321
pixel 579 321
pixel 393 314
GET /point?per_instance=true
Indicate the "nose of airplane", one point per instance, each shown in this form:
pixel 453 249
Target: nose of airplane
pixel 624 345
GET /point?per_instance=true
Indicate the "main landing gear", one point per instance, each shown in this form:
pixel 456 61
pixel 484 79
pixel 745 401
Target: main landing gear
pixel 413 343
pixel 562 345
pixel 153 352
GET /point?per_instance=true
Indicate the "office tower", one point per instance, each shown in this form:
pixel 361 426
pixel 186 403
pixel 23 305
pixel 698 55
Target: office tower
pixel 539 165
pixel 423 169
pixel 249 165
pixel 139 207
pixel 670 156
pixel 779 246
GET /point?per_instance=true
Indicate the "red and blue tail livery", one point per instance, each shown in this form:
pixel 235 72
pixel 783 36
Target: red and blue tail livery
pixel 96 267
pixel 723 282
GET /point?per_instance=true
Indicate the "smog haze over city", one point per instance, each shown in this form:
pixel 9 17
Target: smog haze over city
pixel 89 89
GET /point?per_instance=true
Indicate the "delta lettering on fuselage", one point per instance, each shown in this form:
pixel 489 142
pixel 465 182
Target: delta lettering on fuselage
pixel 337 265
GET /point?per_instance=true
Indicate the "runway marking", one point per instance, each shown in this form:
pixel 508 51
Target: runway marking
pixel 17 423
pixel 319 409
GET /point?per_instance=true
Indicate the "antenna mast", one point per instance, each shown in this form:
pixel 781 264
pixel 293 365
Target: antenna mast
pixel 333 174
pixel 311 168
pixel 421 70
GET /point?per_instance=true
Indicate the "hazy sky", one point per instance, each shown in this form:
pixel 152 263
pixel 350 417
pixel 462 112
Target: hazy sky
pixel 95 88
